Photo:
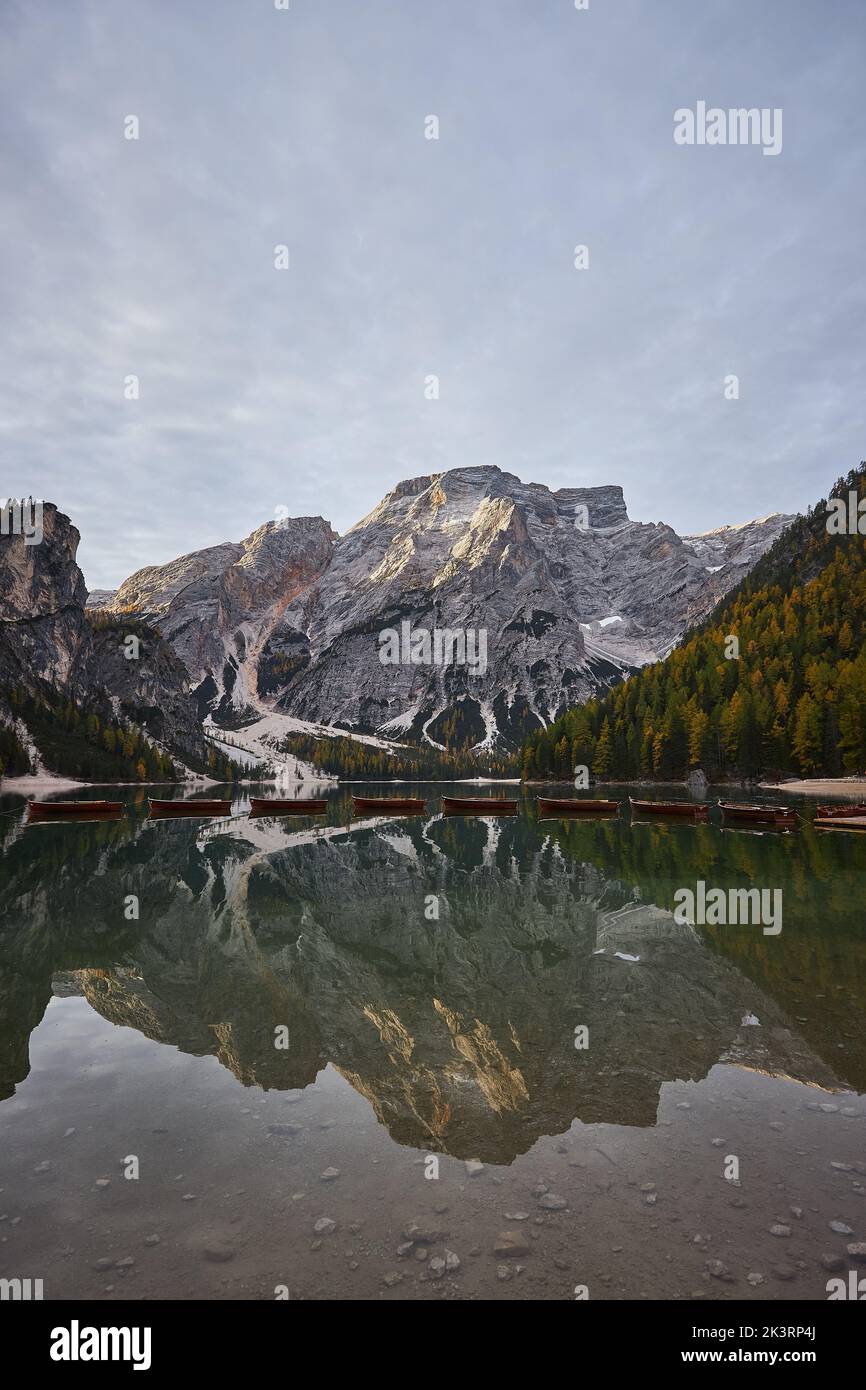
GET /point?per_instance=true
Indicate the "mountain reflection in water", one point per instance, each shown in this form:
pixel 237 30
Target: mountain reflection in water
pixel 459 1029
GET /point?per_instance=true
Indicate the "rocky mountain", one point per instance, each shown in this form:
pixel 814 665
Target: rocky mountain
pixel 737 545
pixel 218 606
pixel 42 597
pixel 771 717
pixel 556 596
pixel 100 598
pixel 50 650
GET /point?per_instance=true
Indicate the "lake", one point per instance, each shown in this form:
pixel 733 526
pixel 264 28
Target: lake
pixel 426 1057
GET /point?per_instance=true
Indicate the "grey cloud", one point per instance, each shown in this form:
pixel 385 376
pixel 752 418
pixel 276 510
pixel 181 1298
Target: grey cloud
pixel 305 388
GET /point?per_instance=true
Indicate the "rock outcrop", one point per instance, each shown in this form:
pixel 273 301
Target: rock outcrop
pixel 42 597
pixel 218 606
pixel 50 647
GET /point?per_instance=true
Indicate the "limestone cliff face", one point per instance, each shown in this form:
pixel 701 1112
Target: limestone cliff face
pixel 42 597
pixel 217 606
pixel 569 593
pixel 48 647
pixel 152 691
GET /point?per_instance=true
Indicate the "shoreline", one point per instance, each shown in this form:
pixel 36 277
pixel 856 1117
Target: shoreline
pixel 806 786
pixel 820 786
pixel 56 782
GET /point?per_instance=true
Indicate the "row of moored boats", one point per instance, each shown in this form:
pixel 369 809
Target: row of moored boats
pixel 846 817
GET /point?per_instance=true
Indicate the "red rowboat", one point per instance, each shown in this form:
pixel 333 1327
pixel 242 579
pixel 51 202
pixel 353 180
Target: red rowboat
pixel 567 806
pixel 261 806
pixel 774 815
pixel 190 808
pixel 834 812
pixel 697 810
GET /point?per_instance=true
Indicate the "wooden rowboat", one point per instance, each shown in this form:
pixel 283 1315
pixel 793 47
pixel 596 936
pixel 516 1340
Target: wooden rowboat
pixel 262 806
pixel 573 805
pixel 53 810
pixel 478 806
pixel 202 807
pixel 696 810
pixel 840 812
pixel 772 815
pixel 385 805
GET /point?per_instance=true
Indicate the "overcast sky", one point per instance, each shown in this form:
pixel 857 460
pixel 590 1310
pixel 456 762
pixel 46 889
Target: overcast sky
pixel 262 388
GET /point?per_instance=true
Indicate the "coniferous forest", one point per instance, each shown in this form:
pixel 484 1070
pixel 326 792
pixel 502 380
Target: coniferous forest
pixel 772 683
pixel 89 743
pixel 351 759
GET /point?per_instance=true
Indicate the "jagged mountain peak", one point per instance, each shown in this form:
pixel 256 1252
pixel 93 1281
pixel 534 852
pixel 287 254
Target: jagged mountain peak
pixel 731 526
pixel 271 545
pixel 451 497
pixel 569 592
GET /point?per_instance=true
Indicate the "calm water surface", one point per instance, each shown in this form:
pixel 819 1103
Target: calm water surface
pixel 419 1044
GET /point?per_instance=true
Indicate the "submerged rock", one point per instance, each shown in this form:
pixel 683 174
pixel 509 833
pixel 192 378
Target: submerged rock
pixel 551 1202
pixel 511 1243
